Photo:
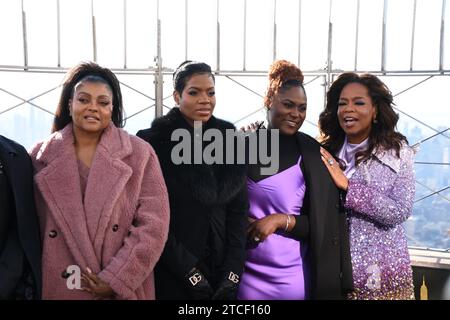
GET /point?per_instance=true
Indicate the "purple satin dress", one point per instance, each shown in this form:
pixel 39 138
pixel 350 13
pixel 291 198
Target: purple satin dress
pixel 274 269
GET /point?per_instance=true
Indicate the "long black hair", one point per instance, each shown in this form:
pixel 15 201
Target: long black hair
pixel 90 72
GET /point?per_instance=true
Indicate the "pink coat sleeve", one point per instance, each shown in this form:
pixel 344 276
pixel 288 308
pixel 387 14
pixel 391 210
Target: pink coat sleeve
pixel 135 261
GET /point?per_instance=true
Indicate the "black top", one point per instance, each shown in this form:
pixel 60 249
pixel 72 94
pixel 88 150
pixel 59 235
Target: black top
pixel 6 204
pixel 11 254
pixel 289 152
pixel 208 212
pixel 20 255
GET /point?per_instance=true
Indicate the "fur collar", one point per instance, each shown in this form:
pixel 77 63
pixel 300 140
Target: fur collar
pixel 165 125
pixel 209 184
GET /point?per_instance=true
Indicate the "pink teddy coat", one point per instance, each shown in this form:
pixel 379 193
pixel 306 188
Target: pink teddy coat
pixel 118 232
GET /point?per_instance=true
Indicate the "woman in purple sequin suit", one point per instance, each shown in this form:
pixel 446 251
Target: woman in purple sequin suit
pixel 375 172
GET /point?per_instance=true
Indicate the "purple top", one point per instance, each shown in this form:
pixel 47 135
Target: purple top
pixel 379 199
pixel 83 171
pixel 274 269
pixel 347 154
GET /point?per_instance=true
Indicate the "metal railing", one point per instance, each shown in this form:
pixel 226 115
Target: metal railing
pixel 327 74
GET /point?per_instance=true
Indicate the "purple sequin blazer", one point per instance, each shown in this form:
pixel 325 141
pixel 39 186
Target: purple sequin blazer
pixel 379 199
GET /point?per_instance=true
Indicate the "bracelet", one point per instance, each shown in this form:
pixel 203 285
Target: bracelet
pixel 288 221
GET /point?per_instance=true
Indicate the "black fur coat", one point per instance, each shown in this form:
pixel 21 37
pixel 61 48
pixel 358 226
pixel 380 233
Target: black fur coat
pixel 208 217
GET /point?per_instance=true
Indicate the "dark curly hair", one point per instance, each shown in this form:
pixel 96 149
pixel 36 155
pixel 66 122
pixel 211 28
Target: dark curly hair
pixel 383 133
pixel 91 72
pixel 283 75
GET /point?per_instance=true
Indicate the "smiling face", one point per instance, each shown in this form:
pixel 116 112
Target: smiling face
pixel 197 101
pixel 288 110
pixel 91 107
pixel 356 112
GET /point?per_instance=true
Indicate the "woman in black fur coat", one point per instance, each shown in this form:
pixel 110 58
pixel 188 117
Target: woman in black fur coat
pixel 205 252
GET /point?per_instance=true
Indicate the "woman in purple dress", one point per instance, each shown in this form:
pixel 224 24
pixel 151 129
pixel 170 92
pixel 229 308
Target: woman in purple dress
pixel 298 241
pixel 375 173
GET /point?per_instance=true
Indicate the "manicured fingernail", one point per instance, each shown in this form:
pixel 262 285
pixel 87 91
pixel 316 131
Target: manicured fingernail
pixel 88 270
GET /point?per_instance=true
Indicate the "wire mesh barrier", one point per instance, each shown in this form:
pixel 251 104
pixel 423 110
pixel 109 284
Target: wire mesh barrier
pixel 406 43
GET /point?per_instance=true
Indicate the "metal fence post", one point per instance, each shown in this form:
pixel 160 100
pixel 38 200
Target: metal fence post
pixel 159 80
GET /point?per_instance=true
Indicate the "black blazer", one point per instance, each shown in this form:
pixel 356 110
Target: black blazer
pixel 323 225
pixel 19 171
pixel 208 212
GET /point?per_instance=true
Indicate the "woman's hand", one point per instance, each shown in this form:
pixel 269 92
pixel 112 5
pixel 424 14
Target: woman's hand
pixel 259 230
pixel 96 286
pixel 253 126
pixel 336 173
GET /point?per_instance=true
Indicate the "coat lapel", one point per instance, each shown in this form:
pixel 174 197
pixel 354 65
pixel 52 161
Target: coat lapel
pixel 317 186
pixel 59 183
pixel 107 179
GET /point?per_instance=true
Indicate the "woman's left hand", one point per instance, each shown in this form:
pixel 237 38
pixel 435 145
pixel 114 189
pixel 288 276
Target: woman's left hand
pixel 260 229
pixel 336 173
pixel 95 285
